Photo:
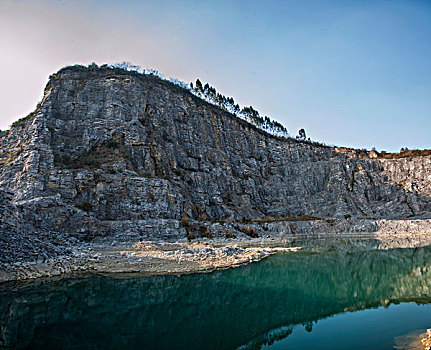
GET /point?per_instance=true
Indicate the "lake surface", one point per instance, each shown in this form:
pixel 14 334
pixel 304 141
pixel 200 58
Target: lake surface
pixel 333 300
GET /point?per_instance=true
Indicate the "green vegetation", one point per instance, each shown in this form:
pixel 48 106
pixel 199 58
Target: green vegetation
pixel 205 231
pixel 185 220
pixel 230 234
pixel 146 175
pixel 300 217
pixel 206 92
pixel 8 157
pixel 190 235
pixel 228 103
pixel 112 144
pixel 20 122
pixel 86 206
pixel 269 219
pixel 194 230
pixel 248 230
pixel 405 153
pixel 104 152
pixel 301 135
pixel 86 159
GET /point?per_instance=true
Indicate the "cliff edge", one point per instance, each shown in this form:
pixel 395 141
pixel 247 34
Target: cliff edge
pixel 112 153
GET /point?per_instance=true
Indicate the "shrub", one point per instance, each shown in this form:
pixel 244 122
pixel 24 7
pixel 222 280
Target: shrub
pixel 203 217
pixel 20 122
pixel 65 159
pixel 230 234
pixel 205 231
pixel 190 235
pixel 147 175
pixel 330 221
pixel 85 159
pixel 300 217
pixel 405 153
pixel 185 220
pixel 248 230
pixel 112 144
pixel 86 206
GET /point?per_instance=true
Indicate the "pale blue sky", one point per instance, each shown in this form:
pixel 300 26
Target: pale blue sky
pixel 352 73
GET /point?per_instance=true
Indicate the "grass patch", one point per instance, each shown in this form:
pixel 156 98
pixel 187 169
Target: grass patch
pixel 300 217
pixel 11 156
pixel 409 153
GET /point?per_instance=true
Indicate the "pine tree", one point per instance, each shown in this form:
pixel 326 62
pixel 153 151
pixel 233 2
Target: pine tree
pixel 301 134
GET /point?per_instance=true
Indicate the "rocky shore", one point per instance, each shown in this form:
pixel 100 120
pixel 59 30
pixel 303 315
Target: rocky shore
pixel 27 253
pixel 145 258
pixel 120 172
pixel 157 257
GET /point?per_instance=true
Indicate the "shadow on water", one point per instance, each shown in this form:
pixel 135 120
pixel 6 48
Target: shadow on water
pixel 220 310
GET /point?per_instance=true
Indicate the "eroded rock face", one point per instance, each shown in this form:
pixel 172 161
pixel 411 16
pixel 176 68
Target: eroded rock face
pixel 21 241
pixel 109 151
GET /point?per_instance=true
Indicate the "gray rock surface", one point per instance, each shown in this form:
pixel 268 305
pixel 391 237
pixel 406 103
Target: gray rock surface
pixel 122 155
pixel 21 241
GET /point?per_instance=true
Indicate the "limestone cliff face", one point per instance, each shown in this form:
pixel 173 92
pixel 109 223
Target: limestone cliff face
pixel 113 151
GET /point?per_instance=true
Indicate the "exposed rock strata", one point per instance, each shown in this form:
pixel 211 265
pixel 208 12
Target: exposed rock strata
pixel 122 155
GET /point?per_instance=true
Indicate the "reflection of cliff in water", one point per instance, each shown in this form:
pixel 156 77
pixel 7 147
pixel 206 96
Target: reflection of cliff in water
pixel 219 310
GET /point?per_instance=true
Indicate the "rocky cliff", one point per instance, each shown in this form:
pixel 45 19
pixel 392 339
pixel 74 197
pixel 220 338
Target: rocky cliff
pixel 111 152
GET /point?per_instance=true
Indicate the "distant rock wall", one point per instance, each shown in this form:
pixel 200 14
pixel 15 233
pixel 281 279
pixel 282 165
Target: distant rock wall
pixel 109 151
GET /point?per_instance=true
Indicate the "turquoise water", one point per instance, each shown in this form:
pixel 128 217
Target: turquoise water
pixel 366 329
pixel 334 300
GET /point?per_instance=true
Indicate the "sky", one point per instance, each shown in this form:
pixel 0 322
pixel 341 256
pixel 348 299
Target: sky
pixel 353 73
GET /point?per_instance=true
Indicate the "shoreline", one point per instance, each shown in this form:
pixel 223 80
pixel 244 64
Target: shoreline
pixel 161 257
pixel 155 258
